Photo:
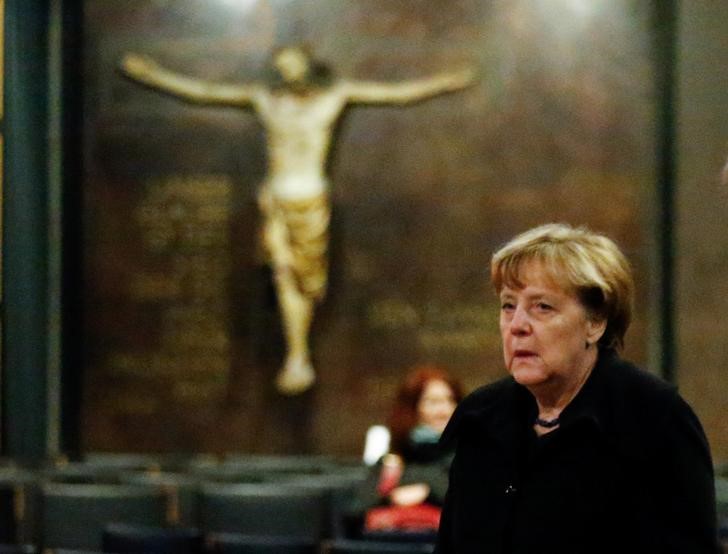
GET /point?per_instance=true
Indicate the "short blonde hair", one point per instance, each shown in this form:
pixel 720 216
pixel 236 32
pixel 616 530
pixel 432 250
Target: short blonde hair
pixel 582 262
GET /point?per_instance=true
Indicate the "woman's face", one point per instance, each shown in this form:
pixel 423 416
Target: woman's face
pixel 545 330
pixel 436 405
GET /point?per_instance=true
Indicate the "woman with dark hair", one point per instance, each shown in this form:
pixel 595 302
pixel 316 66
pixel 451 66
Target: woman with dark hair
pixel 424 403
pixel 415 471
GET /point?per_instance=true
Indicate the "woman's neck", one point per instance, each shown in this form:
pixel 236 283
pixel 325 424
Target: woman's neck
pixel 551 399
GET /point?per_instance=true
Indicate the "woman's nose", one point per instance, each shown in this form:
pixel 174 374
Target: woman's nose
pixel 519 322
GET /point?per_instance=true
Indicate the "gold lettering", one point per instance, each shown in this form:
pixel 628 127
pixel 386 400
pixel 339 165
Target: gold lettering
pixel 153 286
pixel 392 314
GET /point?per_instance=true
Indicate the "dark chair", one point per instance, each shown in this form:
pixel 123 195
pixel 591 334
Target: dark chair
pixel 400 536
pixel 80 473
pixel 339 490
pixel 123 460
pixel 227 473
pixel 18 506
pixel 372 547
pixel 274 510
pixel 354 471
pixel 18 549
pixel 236 543
pixel 303 464
pixel 73 516
pixel 8 509
pixel 124 538
pixel 181 491
pixel 135 461
pixel 201 462
pixel 259 469
pixel 721 497
pixel 723 529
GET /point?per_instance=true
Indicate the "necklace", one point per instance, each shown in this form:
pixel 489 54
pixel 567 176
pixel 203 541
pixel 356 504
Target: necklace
pixel 547 423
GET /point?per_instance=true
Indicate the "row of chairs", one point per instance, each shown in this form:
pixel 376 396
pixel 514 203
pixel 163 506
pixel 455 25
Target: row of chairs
pixel 142 539
pixel 129 539
pixel 124 539
pixel 249 504
pixel 73 515
pixel 251 468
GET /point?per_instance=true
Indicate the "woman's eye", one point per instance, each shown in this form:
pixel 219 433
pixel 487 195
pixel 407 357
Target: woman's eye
pixel 507 306
pixel 544 307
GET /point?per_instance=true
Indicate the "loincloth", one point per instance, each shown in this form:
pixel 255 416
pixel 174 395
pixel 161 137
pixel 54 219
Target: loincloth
pixel 295 236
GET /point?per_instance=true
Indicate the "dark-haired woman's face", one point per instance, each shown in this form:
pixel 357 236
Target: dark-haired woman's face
pixel 436 405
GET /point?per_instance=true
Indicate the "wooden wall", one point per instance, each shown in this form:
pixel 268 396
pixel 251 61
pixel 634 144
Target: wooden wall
pixel 702 233
pixel 182 337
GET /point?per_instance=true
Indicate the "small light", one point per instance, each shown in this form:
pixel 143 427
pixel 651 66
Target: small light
pixel 581 8
pixel 244 5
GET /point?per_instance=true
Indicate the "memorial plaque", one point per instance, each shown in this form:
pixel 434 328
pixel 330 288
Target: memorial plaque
pixel 183 335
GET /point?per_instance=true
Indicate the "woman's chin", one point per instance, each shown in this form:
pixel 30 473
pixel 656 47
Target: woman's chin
pixel 529 376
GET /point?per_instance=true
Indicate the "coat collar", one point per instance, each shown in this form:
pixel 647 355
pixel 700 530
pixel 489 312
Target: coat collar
pixel 511 410
pixel 592 403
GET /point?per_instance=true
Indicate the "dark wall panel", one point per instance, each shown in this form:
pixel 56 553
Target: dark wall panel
pixel 701 231
pixel 182 338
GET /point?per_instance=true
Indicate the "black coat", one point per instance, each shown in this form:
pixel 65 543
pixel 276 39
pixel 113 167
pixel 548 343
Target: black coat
pixel 627 470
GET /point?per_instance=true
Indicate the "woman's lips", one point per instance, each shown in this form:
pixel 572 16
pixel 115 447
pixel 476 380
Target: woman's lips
pixel 523 353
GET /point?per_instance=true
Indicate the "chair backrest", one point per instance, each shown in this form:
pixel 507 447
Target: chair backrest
pixel 302 464
pixel 262 469
pixel 236 543
pixel 264 510
pixel 125 461
pixel 8 518
pixel 74 516
pixel 73 551
pixel 339 488
pixel 180 489
pixel 18 549
pixel 230 474
pixel 373 547
pixel 125 538
pixel 19 492
pixel 80 473
pixel 420 536
pixel 721 496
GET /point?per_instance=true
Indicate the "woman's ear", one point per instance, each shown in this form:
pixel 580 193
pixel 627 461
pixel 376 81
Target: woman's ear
pixel 595 328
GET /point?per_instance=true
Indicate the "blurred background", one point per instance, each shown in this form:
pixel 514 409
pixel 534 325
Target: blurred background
pixel 138 314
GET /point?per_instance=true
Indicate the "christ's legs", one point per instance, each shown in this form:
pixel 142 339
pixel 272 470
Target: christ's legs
pixel 295 306
pixel 296 309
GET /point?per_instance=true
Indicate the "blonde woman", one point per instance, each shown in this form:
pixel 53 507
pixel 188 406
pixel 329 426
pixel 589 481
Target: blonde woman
pixel 577 451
